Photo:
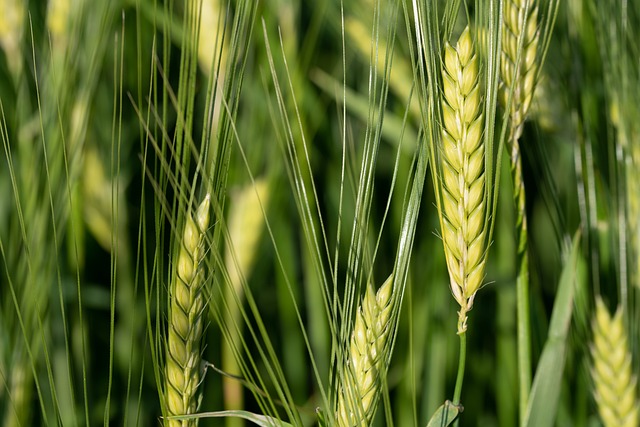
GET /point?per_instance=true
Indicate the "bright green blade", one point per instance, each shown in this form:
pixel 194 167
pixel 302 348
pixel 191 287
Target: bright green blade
pixel 545 392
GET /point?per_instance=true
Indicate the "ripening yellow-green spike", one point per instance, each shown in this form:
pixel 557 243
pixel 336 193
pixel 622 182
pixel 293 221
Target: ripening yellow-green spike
pixel 366 362
pixel 462 169
pixel 186 324
pixel 614 383
pixel 519 72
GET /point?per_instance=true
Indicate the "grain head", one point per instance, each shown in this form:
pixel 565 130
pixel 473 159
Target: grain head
pixel 519 71
pixel 614 384
pixel 187 304
pixel 463 180
pixel 366 362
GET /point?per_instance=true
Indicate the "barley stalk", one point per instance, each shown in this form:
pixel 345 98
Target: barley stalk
pixel 366 364
pixel 518 74
pixel 615 386
pixel 185 320
pixel 518 71
pixel 462 171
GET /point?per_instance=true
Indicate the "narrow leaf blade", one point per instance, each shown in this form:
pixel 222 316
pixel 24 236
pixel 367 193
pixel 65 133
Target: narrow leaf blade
pixel 545 391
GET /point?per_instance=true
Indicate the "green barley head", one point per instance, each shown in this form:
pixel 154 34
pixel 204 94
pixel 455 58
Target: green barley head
pixel 519 71
pixel 187 304
pixel 359 393
pixel 614 384
pixel 463 179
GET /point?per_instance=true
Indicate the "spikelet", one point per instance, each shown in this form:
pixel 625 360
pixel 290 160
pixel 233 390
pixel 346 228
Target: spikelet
pixel 615 386
pixel 360 390
pixel 185 320
pixel 519 72
pixel 463 180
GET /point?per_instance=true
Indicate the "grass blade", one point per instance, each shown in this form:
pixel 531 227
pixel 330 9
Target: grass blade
pixel 545 392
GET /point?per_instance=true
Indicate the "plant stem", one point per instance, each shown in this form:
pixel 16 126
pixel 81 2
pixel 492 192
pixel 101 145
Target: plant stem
pixel 461 362
pixel 522 278
pixel 524 344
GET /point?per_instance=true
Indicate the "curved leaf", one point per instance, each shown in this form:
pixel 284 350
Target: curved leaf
pixel 545 392
pixel 445 415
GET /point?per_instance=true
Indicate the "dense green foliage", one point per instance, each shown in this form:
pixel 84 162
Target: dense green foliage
pixel 316 127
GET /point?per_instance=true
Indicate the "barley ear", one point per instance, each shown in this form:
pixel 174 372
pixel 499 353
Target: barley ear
pixel 185 319
pixel 615 386
pixel 462 209
pixel 519 72
pixel 367 359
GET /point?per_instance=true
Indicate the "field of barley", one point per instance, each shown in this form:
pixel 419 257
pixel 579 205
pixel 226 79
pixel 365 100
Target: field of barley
pixel 320 213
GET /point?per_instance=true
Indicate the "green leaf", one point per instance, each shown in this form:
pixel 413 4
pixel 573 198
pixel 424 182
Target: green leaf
pixel 545 392
pixel 261 420
pixel 445 415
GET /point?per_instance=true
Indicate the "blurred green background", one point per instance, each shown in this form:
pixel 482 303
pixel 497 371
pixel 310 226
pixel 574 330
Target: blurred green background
pixel 95 97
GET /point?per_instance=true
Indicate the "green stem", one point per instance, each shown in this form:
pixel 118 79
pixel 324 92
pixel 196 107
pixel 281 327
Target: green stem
pixel 524 333
pixel 522 280
pixel 461 362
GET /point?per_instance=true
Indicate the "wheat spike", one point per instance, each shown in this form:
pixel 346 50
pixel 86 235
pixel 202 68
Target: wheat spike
pixel 516 71
pixel 615 386
pixel 185 320
pixel 366 362
pixel 463 180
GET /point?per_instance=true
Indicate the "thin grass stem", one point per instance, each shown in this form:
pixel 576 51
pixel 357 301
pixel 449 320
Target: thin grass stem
pixel 522 278
pixel 461 366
